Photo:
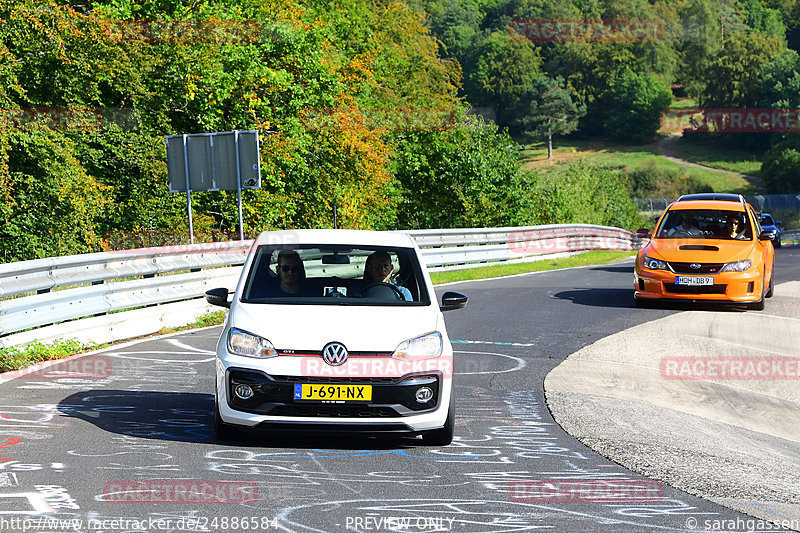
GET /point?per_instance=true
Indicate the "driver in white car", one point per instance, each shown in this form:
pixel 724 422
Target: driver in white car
pixel 379 268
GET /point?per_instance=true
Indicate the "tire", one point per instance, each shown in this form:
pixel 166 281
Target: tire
pixel 222 431
pixel 771 289
pixel 777 243
pixel 759 305
pixel 444 436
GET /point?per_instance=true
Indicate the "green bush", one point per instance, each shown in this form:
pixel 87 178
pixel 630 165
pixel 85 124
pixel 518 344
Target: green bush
pixel 780 169
pixel 651 180
pixel 634 105
pixel 14 358
pixel 466 176
pixel 581 193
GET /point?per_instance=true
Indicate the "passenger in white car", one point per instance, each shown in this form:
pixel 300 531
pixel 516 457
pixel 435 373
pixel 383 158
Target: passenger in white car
pixel 379 269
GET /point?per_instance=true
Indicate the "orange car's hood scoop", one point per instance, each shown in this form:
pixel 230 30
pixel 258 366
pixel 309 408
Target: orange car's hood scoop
pixel 699 247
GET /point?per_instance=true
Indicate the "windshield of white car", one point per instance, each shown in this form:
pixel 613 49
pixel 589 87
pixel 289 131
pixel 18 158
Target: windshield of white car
pixel 705 224
pixel 335 275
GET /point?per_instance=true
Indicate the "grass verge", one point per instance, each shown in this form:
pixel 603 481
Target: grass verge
pixel 597 257
pixel 628 157
pixel 722 157
pixel 16 358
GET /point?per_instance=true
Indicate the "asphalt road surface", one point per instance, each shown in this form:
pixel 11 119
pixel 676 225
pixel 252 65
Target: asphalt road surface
pixel 128 447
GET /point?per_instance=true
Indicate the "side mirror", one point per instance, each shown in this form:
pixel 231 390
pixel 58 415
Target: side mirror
pixel 643 233
pixel 767 235
pixel 778 223
pixel 453 300
pixel 218 297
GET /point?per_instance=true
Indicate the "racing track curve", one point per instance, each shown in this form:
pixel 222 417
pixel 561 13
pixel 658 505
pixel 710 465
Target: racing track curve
pixel 87 448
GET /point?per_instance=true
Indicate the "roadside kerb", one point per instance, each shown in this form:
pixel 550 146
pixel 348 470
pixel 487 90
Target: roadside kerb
pixel 730 438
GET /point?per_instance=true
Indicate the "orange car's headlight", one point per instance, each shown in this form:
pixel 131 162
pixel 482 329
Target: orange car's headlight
pixel 655 264
pixel 737 266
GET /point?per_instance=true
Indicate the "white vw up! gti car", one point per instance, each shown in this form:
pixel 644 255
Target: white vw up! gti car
pixel 335 330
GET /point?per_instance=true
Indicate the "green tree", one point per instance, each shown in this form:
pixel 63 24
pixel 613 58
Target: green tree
pixel 737 71
pixel 54 204
pixel 547 109
pixel 780 86
pixel 761 18
pixel 503 69
pixel 699 40
pixel 634 105
pixel 465 176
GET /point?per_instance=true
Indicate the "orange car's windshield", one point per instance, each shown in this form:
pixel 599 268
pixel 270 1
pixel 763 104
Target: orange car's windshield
pixel 705 224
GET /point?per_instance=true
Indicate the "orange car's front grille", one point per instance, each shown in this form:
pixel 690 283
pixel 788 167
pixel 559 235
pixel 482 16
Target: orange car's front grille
pixel 704 268
pixel 691 289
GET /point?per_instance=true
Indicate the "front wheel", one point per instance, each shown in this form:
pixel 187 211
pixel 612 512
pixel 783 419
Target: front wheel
pixel 771 289
pixel 444 436
pixel 759 305
pixel 222 431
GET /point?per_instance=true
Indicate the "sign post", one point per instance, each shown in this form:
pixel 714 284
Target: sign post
pixel 222 161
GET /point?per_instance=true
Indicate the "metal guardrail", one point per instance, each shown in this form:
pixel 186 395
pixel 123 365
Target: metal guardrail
pixel 792 235
pixel 76 300
pixel 760 202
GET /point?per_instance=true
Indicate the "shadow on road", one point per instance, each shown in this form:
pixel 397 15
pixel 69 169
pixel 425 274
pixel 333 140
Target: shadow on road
pixel 189 417
pixel 623 298
pixel 619 298
pixel 614 268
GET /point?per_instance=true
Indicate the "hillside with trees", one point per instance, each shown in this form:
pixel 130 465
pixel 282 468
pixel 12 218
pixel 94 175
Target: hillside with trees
pixel 363 105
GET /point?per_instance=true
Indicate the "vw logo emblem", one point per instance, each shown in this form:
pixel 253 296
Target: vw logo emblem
pixel 334 354
pixel 695 266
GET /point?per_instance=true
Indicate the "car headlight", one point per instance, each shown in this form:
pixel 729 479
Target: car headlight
pixel 737 266
pixel 425 346
pixel 241 342
pixel 655 264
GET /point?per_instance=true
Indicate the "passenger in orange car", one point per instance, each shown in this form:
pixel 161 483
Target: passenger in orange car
pixel 734 228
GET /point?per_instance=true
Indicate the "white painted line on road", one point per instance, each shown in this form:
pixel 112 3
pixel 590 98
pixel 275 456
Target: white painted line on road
pixel 161 360
pixel 179 344
pixel 494 343
pixel 520 364
pixel 720 341
pixel 778 316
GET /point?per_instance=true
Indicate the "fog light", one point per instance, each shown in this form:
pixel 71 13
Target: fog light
pixel 424 394
pixel 243 391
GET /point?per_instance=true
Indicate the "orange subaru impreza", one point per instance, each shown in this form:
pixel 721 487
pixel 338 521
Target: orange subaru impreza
pixel 707 247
